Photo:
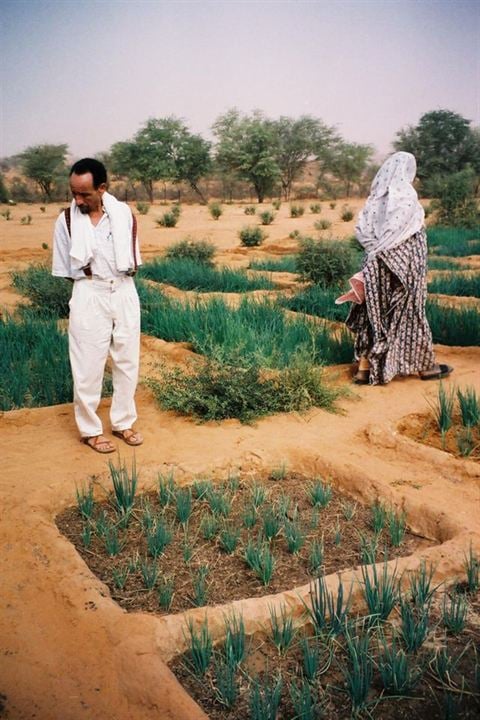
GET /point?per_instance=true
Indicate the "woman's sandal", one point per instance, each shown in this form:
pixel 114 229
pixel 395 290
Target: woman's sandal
pixel 133 438
pixel 362 377
pixel 443 371
pixel 96 444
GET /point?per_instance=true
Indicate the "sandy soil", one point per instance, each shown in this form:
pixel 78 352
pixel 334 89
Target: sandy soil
pixel 67 650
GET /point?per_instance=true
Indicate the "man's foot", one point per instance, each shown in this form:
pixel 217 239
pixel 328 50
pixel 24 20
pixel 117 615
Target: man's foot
pixel 99 443
pixel 437 372
pixel 131 437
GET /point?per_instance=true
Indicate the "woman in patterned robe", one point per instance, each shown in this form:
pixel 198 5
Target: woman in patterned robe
pixel 392 332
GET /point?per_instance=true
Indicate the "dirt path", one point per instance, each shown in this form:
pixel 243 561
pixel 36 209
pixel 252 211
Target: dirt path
pixel 67 650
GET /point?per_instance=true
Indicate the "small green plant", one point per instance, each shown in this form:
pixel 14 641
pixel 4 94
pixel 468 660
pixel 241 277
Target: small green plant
pixel 165 592
pixel 265 698
pixel 454 612
pixel 184 509
pixel 368 549
pixel 85 500
pixel 397 525
pixel 226 685
pixel 6 214
pixel 380 591
pixel 249 517
pixel 465 441
pixel 294 235
pixel 279 473
pixel 276 204
pixel 252 236
pixel 469 407
pixel 312 654
pixel 346 214
pixel 200 587
pixel 443 410
pixel 421 590
pixel 319 493
pixel 296 211
pixel 415 624
pixel 337 534
pixel 215 210
pixel 349 510
pixel 220 502
pixel 315 557
pixel 294 536
pixel 166 489
pixel 282 629
pixel 201 488
pixel 168 220
pixel 209 526
pixel 332 205
pixel 120 576
pixel 359 674
pixel 149 573
pixel 327 612
pixel 315 208
pixel 26 220
pixel 267 217
pixel 328 263
pixel 44 246
pixel 322 224
pixel 143 207
pixel 472 569
pixel 42 208
pixel 379 517
pixel 124 486
pixel 305 700
pixel 250 210
pixel 271 523
pixel 258 495
pixel 158 537
pixel 187 551
pixel 200 648
pixel 228 539
pixel 235 644
pixel 398 675
pixel 176 209
pixel 260 559
pixel 86 535
pixel 201 251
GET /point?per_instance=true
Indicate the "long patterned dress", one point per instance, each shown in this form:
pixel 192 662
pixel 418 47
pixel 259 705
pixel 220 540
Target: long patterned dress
pixel 391 327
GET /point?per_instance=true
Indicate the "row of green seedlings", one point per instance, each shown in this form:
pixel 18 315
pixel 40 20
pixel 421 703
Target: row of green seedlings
pixel 258 554
pixel 454 283
pixel 360 648
pixel 454 241
pixel 189 274
pixel 468 404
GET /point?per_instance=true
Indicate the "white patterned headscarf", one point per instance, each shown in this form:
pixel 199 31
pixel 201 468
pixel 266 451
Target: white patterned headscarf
pixel 392 212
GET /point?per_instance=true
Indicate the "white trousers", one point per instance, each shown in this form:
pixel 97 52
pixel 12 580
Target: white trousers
pixel 104 318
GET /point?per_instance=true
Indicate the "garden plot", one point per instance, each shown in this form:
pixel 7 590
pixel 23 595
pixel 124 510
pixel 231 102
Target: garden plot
pixel 210 544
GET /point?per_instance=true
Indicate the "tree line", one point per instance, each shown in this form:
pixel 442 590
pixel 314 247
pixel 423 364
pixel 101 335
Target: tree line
pixel 268 155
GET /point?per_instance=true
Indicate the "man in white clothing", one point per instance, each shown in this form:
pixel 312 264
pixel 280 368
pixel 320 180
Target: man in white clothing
pixel 95 246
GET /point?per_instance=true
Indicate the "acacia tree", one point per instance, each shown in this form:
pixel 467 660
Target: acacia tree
pixel 163 149
pixel 299 141
pixel 348 163
pixel 45 164
pixel 443 143
pixel 248 146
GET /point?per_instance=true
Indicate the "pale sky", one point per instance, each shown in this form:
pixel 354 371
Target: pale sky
pixel 89 73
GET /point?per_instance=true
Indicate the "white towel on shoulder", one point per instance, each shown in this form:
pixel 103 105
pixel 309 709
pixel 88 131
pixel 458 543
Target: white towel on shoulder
pixel 83 238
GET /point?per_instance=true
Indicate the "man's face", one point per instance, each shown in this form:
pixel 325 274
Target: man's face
pixel 87 198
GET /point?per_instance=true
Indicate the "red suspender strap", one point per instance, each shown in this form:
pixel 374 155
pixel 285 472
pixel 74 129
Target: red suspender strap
pixel 68 220
pixel 134 241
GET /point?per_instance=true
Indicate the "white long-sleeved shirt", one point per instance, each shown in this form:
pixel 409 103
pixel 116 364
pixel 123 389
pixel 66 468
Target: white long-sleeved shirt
pixel 103 264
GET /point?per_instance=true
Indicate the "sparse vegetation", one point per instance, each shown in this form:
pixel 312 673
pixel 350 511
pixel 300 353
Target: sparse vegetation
pixel 252 236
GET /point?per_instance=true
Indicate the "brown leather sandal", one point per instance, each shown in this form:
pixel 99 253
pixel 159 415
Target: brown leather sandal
pixel 96 444
pixel 132 438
